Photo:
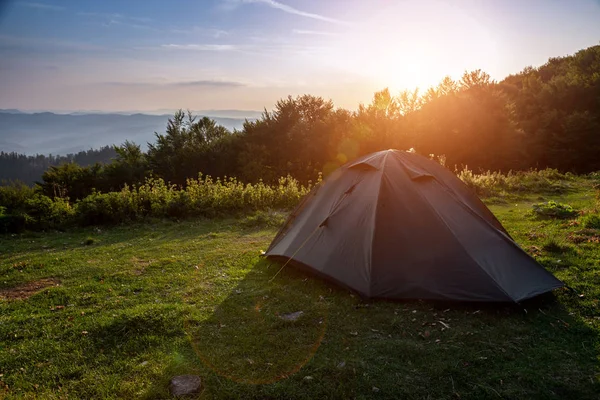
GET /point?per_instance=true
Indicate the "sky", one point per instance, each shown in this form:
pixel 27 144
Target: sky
pixel 148 55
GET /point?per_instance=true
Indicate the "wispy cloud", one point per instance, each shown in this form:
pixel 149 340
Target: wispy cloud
pixel 198 30
pixel 40 6
pixel 107 19
pixel 207 83
pixel 285 8
pixel 200 47
pixel 315 33
pixel 141 19
pixel 47 43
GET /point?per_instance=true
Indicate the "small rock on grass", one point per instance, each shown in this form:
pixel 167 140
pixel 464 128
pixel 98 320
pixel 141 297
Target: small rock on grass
pixel 292 316
pixel 184 385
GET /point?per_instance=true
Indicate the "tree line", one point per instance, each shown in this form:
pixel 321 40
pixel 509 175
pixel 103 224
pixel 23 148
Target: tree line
pixel 29 169
pixel 546 117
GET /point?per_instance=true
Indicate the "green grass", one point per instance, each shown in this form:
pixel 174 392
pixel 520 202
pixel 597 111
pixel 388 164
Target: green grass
pixel 138 304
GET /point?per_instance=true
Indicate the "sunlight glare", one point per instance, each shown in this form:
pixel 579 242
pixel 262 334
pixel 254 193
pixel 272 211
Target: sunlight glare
pixel 393 50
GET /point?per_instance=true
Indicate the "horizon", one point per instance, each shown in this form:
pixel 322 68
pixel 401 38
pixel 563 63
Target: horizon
pixel 160 112
pixel 247 54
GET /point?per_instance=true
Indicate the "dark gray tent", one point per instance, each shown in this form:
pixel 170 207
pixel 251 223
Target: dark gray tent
pixel 397 225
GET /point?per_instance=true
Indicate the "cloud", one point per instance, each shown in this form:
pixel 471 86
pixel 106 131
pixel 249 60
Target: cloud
pixel 46 43
pixel 119 19
pixel 206 83
pixel 40 6
pixel 198 30
pixel 141 19
pixel 200 47
pixel 316 33
pixel 95 14
pixel 209 83
pixel 285 8
pixel 218 33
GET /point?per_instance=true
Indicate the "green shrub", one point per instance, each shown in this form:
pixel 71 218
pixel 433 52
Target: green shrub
pixel 12 223
pixel 552 209
pixel 179 206
pixel 201 197
pixel 591 221
pixel 42 212
pixel 488 184
pixel 106 208
pixel 14 196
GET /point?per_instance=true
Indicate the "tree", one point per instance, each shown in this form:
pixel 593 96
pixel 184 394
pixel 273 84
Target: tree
pixel 129 167
pixel 293 138
pixel 178 154
pixel 71 181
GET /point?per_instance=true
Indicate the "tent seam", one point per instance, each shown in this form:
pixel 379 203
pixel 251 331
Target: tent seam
pixel 381 177
pixel 464 204
pixel 431 207
pixel 504 236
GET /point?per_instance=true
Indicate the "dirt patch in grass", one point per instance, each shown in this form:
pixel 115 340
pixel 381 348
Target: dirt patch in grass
pixel 140 265
pixel 28 289
pixel 584 236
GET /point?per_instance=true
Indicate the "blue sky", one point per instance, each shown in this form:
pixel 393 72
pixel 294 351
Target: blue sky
pixel 246 54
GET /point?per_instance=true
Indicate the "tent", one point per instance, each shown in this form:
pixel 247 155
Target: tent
pixel 395 224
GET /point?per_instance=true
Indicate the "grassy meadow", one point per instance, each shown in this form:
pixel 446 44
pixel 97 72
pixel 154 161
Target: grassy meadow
pixel 116 312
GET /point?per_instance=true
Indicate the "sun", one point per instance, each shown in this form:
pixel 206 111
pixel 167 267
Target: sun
pixel 407 70
pixel 408 45
pixel 406 65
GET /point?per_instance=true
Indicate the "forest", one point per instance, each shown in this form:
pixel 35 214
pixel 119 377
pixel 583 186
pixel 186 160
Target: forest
pixel 541 118
pixel 29 169
pixel 545 117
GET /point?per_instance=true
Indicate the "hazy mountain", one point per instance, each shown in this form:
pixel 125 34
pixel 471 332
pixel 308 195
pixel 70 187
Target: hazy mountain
pixel 10 111
pixel 50 133
pixel 250 114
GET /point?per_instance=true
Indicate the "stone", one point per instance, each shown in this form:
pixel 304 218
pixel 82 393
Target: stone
pixel 292 316
pixel 184 385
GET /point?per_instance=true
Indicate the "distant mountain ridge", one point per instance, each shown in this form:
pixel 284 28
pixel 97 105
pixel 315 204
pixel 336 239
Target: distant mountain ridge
pixel 53 133
pixel 230 113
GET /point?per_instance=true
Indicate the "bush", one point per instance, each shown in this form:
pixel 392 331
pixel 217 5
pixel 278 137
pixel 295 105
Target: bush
pixel 12 223
pixel 201 197
pixel 489 183
pixel 14 196
pixel 552 209
pixel 42 212
pixel 591 221
pixel 107 208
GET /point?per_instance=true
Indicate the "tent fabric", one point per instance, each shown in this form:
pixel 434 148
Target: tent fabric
pixel 394 224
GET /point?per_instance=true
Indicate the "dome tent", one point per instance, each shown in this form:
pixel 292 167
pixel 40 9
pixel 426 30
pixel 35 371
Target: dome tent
pixel 394 224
